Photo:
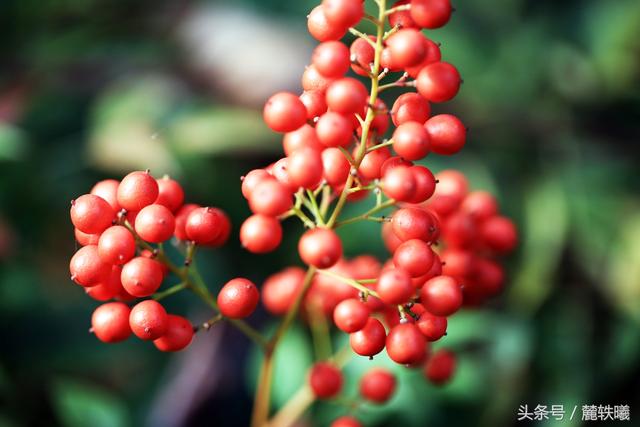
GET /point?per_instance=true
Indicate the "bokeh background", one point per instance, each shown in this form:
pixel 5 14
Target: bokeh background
pixel 91 89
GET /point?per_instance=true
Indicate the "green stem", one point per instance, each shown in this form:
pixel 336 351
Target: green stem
pixel 169 291
pixel 351 282
pixel 367 214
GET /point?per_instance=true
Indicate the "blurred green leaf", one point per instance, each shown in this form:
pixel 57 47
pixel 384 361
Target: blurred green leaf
pixel 13 142
pixel 81 404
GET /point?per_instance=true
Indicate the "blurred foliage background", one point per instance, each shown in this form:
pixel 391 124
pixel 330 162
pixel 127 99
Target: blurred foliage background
pixel 91 89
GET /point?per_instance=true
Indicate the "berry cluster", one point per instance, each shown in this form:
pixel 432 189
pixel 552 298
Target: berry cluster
pixel 117 225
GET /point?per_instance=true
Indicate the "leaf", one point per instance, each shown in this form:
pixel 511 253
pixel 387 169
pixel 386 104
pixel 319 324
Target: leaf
pixel 13 142
pixel 79 404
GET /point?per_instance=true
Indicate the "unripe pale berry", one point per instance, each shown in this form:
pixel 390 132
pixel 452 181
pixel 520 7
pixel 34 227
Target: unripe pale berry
pixel 238 298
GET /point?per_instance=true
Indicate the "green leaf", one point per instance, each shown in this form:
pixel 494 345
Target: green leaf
pixel 13 142
pixel 80 404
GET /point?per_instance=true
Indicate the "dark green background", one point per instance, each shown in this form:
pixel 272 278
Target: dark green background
pixel 91 89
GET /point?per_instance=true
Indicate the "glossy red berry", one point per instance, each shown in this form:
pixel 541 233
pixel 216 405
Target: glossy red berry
pixel 431 14
pixel 411 141
pixel 284 112
pixel 304 167
pixel 204 225
pixel 141 276
pixel 260 234
pixel 178 335
pixel 425 184
pixel 109 288
pixel 489 276
pixel 351 315
pixel 377 385
pixel 438 82
pixel 110 322
pixel 362 54
pixel 499 234
pixel 321 29
pixel 313 80
pixel 441 296
pixel 414 256
pixel 410 107
pixel 91 214
pixel 334 130
pixel 325 380
pixel 137 190
pixel 401 18
pixel 108 190
pixel 181 220
pixel 225 229
pixel 280 171
pixel 170 193
pixel 320 247
pixel 331 59
pixel 394 162
pixel 155 223
pixel 399 183
pixel 347 96
pixel 87 268
pixel 335 165
pixel 346 421
pixel 432 56
pixel 406 47
pixel 238 298
pixel 394 286
pixel 270 197
pixel 281 289
pixel 446 133
pixel 117 245
pixel 345 13
pixel 432 327
pixel 148 320
pixel 303 137
pixel 369 340
pixel 371 165
pixel 315 103
pixel 85 239
pixel 414 223
pixel 405 344
pixel 440 367
pixel 480 205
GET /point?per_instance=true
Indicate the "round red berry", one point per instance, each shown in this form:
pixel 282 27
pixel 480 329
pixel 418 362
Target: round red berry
pixel 441 296
pixel 351 315
pixel 438 82
pixel 394 286
pixel 260 234
pixel 148 320
pixel 181 220
pixel 414 256
pixel 137 190
pixel 155 223
pixel 432 327
pixel 141 276
pixel 347 96
pixel 110 322
pixel 91 214
pixel 321 29
pixel 345 13
pixel 117 245
pixel 377 385
pixel 320 247
pixel 406 47
pixel 425 184
pixel 405 344
pixel 331 59
pixel 414 223
pixel 334 130
pixel 170 193
pixel 315 103
pixel 499 234
pixel 281 289
pixel 238 298
pixel 284 112
pixel 335 165
pixel 270 197
pixel 325 380
pixel 346 422
pixel 87 267
pixel 431 14
pixel 302 137
pixel 363 55
pixel 304 167
pixel 108 190
pixel 109 288
pixel 178 335
pixel 369 340
pixel 440 367
pixel 411 141
pixel 446 133
pixel 410 107
pixel 399 183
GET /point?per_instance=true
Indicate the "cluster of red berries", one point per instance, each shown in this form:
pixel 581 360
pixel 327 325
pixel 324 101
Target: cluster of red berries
pixel 116 225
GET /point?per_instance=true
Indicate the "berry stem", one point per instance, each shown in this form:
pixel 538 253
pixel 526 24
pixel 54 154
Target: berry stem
pixel 364 36
pixel 351 282
pixel 398 9
pixel 320 333
pixel 170 291
pixel 386 143
pixel 367 214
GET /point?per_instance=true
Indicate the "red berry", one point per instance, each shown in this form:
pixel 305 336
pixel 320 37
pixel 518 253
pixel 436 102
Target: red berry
pixel 441 296
pixel 271 198
pixel 405 344
pixel 414 223
pixel 117 245
pixel 325 380
pixel 87 268
pixel 394 286
pixel 446 133
pixel 431 14
pixel 91 214
pixel 432 327
pixel 170 193
pixel 109 288
pixel 369 340
pixel 425 183
pixel 499 234
pixel 313 80
pixel 304 137
pixel 331 59
pixel 480 205
pixel 414 256
pixel 141 276
pixel 440 367
pixel 346 422
pixel 406 47
pixel 432 55
pixel 371 165
pixel 351 315
pixel 377 385
pixel 280 171
pixel 110 322
pixel 335 165
pixel 178 335
pixel 410 107
pixel 393 162
pixel 204 225
pixel 363 55
pixel 148 320
pixel 320 247
pixel 155 223
pixel 284 112
pixel 321 29
pixel 315 103
pixel 181 220
pixel 458 263
pixel 344 13
pixel 260 234
pixel 411 141
pixel 488 274
pixel 347 95
pixel 380 122
pixel 334 130
pixel 281 289
pixel 304 167
pixel 108 190
pixel 85 239
pixel 251 180
pixel 438 82
pixel 137 190
pixel 238 298
pixel 225 229
pixel 401 18
pixel 399 184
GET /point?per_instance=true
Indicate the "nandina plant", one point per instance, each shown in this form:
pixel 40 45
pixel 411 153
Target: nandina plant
pixel 444 240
